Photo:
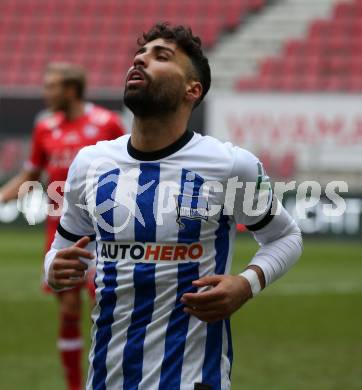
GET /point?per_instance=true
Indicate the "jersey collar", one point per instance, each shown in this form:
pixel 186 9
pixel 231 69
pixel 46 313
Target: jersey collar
pixel 161 153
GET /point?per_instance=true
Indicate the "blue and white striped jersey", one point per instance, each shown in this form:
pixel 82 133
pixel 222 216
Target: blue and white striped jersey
pixel 157 225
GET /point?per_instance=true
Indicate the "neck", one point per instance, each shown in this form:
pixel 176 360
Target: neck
pixel 75 110
pixel 155 133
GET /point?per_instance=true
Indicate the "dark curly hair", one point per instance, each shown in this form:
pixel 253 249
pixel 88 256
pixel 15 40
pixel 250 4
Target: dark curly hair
pixel 189 43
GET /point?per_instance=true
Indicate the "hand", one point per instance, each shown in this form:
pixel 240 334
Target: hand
pixel 228 294
pixel 66 270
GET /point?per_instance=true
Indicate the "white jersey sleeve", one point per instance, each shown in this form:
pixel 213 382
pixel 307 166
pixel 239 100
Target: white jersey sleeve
pixel 262 213
pixel 75 222
pixel 280 246
pixel 253 197
pixel 75 218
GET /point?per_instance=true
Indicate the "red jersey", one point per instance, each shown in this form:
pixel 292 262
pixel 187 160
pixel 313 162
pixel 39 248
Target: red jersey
pixel 56 141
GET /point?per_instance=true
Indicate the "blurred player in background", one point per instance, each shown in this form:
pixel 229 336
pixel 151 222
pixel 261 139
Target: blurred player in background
pixel 71 124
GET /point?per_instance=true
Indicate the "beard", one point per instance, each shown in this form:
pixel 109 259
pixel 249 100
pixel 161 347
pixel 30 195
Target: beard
pixel 59 105
pixel 156 98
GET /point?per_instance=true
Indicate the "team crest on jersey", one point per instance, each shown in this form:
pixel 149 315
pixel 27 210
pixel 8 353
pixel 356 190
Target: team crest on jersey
pixel 57 133
pixel 191 207
pixel 71 137
pixel 90 131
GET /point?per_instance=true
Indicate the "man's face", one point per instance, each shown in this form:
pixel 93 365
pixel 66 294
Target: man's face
pixel 157 82
pixel 55 92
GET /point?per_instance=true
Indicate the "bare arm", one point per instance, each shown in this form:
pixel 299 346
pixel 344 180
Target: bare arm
pixel 10 190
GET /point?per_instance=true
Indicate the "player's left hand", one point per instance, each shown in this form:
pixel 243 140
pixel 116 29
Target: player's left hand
pixel 228 294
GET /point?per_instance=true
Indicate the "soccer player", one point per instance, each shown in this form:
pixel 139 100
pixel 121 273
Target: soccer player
pixel 158 206
pixel 70 125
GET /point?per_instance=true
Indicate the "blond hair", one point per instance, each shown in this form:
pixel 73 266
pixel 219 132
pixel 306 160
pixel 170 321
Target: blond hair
pixel 72 74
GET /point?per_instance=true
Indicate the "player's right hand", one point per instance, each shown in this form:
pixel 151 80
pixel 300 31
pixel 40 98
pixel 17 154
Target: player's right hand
pixel 67 270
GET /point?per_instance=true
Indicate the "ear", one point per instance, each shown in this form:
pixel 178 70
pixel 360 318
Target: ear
pixel 193 91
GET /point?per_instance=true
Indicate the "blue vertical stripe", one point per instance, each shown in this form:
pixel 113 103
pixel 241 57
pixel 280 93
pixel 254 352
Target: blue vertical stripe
pixel 108 296
pixel 107 184
pixel 143 278
pixel 211 371
pixel 230 344
pixel 104 323
pixel 222 244
pixel 188 272
pixel 145 292
pixel 95 274
pixel 150 173
pixel 177 330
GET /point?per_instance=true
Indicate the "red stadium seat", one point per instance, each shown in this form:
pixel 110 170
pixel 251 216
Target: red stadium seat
pixel 256 4
pixel 246 84
pixel 294 47
pixel 320 29
pixel 355 66
pixel 343 11
pixel 354 84
pixel 288 83
pixel 336 83
pixel 270 66
pixel 311 83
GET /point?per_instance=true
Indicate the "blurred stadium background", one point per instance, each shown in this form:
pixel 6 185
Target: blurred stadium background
pixel 287 84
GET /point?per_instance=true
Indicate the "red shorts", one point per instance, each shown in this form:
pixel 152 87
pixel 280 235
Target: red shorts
pixel 241 228
pixel 51 228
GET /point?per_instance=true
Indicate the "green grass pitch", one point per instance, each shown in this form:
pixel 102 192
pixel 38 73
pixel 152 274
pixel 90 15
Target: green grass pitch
pixel 303 332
